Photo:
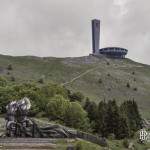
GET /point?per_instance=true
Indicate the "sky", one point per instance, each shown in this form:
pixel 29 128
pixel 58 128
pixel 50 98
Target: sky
pixel 62 28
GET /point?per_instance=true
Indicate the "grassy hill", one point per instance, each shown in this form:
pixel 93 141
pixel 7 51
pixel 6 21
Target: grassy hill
pixel 97 78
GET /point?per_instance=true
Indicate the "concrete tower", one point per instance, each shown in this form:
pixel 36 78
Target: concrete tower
pixel 95 35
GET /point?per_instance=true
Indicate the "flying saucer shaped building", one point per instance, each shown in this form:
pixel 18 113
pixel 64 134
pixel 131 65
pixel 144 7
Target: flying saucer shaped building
pixel 115 52
pixel 112 52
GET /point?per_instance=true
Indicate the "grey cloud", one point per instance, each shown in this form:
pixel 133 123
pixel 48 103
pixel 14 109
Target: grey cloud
pixel 62 28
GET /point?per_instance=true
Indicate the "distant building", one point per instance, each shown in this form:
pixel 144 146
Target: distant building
pixel 112 52
pixel 95 35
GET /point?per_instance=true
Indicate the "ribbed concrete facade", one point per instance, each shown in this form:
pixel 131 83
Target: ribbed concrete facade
pixel 95 35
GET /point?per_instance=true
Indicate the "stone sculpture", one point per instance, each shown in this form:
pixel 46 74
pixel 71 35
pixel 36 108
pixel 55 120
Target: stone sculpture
pixel 19 125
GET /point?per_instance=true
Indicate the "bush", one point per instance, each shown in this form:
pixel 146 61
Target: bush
pixel 12 78
pixel 75 116
pixel 125 143
pixel 8 73
pixel 111 136
pixel 135 89
pixel 108 74
pixel 9 67
pixel 3 82
pixel 108 63
pixel 57 107
pixel 128 85
pixel 100 81
pixel 79 146
pixel 77 96
pixel 41 80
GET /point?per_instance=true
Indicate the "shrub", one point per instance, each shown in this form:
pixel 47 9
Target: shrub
pixel 79 146
pixel 76 116
pixel 135 89
pixel 100 81
pixel 111 136
pixel 77 96
pixel 9 67
pixel 125 143
pixel 108 63
pixel 12 78
pixel 3 81
pixel 108 74
pixel 57 107
pixel 128 85
pixel 41 80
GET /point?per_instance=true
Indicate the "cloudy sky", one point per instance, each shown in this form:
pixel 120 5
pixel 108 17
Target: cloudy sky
pixel 62 28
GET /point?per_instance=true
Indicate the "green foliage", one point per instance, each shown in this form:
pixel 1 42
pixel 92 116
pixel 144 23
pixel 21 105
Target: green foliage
pixel 114 123
pixel 79 146
pixel 76 116
pixel 125 143
pixel 3 82
pixel 101 124
pixel 39 96
pixel 60 104
pixel 130 110
pixel 77 96
pixel 41 80
pixel 108 118
pixel 91 109
pixel 57 107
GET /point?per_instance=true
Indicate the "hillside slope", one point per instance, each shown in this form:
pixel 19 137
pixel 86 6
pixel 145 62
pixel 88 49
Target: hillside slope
pixel 96 78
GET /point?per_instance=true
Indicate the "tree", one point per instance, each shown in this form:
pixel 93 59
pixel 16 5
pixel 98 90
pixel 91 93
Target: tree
pixel 57 107
pixel 115 123
pixel 130 110
pixel 76 116
pixel 123 129
pixel 101 124
pixel 91 109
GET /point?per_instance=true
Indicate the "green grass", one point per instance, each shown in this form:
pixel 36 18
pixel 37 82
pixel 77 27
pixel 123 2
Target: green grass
pixel 113 145
pixel 61 70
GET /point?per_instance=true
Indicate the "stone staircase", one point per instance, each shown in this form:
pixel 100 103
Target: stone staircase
pixel 27 144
